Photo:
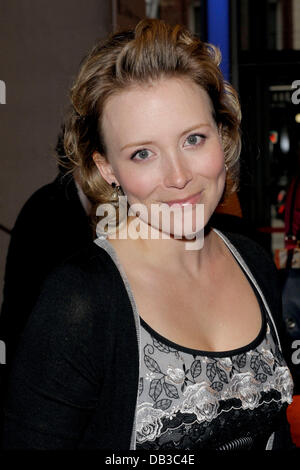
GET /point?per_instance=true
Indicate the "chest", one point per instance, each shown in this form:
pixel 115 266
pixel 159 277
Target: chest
pixel 214 314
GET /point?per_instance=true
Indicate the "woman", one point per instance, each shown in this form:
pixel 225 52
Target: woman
pixel 146 341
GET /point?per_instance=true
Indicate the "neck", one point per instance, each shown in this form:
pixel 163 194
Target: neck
pixel 178 254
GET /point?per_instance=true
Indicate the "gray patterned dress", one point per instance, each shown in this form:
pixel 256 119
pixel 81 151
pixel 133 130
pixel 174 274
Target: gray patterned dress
pixel 191 399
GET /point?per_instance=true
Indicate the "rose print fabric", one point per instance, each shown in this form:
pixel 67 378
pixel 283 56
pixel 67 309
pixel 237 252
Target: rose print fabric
pixel 192 399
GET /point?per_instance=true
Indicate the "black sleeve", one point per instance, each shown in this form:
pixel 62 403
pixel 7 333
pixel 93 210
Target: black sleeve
pixel 57 372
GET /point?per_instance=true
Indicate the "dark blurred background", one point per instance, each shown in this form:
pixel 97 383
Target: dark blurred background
pixel 42 44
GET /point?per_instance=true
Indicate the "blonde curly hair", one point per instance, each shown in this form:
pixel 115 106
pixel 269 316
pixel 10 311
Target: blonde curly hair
pixel 153 50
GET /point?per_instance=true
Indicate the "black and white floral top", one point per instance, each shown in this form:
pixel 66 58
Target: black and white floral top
pixel 191 399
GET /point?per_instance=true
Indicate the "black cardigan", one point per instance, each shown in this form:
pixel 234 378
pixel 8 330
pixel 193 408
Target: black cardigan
pixel 75 377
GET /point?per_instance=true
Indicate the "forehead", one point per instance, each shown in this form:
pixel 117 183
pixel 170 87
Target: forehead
pixel 169 100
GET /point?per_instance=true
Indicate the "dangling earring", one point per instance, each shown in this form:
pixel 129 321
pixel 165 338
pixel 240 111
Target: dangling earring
pixel 116 193
pixel 226 167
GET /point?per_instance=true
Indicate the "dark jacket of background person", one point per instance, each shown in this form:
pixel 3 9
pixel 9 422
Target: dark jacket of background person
pixel 75 379
pixel 51 226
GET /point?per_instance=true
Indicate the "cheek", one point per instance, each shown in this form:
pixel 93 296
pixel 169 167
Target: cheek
pixel 137 185
pixel 213 165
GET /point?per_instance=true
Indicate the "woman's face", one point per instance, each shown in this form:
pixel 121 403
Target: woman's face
pixel 163 145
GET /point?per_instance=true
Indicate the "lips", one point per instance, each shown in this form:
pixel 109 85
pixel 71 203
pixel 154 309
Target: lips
pixel 188 200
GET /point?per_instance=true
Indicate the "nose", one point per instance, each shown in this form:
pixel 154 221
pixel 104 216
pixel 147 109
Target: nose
pixel 177 173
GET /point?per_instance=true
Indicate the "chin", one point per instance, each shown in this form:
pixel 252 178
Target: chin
pixel 185 224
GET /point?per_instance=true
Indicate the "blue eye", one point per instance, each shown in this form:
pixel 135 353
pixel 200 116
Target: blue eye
pixel 194 139
pixel 140 155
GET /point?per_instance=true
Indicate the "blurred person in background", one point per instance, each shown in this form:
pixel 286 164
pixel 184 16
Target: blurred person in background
pixel 52 225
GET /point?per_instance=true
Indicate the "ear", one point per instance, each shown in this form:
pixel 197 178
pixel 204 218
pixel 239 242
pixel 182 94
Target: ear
pixel 104 168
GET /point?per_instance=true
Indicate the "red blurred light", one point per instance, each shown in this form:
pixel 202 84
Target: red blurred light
pixel 273 136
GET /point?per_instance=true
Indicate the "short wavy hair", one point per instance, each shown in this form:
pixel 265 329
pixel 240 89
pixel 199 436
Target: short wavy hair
pixel 153 50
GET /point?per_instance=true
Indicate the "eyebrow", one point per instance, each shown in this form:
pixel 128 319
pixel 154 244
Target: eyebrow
pixel 190 129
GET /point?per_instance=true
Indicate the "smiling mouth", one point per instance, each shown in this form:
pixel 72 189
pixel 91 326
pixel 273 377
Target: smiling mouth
pixel 184 202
